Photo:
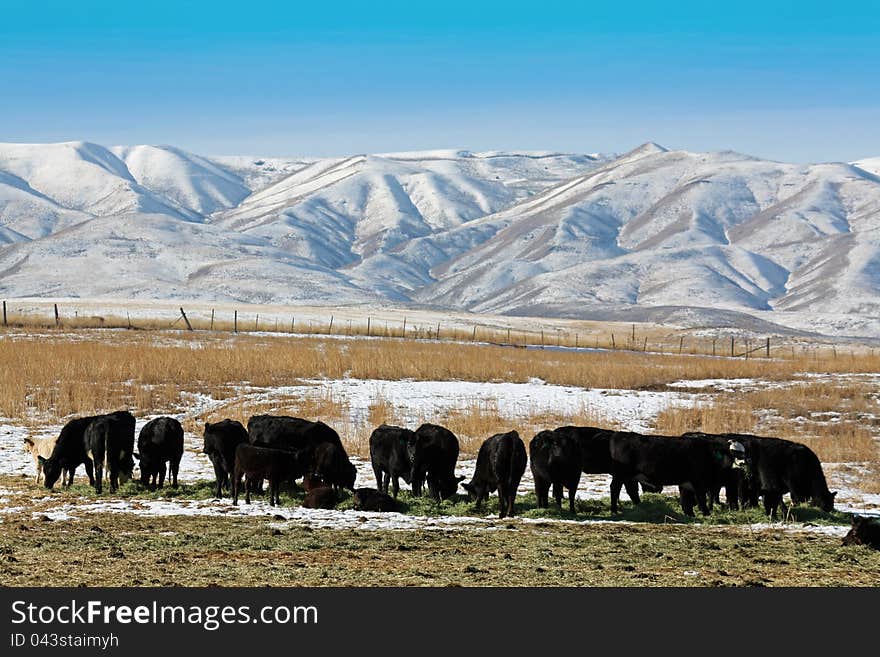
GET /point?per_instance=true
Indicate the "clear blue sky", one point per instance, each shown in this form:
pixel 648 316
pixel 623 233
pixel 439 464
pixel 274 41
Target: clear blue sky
pixel 796 81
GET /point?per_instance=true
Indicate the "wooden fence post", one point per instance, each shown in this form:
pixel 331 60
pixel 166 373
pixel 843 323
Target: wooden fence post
pixel 330 330
pixel 438 331
pixel 57 319
pixel 768 347
pixel 235 323
pixel 713 345
pixel 680 345
pixel 188 325
pixel 731 346
pixel 474 336
pixel 5 323
pixel 613 343
pixel 645 345
pixel 212 319
pixel 404 326
pixel 368 326
pixel 257 322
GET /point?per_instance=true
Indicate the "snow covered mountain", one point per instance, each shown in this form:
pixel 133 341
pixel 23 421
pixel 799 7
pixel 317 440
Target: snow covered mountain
pixel 639 236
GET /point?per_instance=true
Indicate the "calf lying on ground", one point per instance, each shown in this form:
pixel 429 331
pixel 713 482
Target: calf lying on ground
pixel 501 463
pixel 40 447
pixel 159 442
pixel 258 463
pixel 322 497
pixel 221 440
pixel 369 499
pixel 865 531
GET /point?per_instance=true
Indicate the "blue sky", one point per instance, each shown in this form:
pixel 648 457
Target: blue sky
pixel 792 81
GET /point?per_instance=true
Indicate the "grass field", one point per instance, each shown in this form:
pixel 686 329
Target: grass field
pixel 830 401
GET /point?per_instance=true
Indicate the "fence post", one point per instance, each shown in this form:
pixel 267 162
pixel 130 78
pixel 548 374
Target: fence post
pixel 4 315
pixel 330 330
pixel 508 335
pixel 613 343
pixel 713 345
pixel 212 319
pixel 188 325
pixel 731 346
pixel 680 345
pixel 474 336
pixel 645 346
pixel 57 319
pixel 404 326
pixel 768 347
pixel 235 323
pixel 128 316
pixel 438 331
pixel 257 322
pixel 542 337
pixel 368 326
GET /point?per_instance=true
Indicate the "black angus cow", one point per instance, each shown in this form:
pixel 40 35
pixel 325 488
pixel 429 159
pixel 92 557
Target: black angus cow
pixel 331 464
pixel 68 454
pixel 117 430
pixel 221 440
pixel 434 454
pixel 775 467
pixel 159 442
pixel 501 463
pixel 692 463
pixel 390 457
pixel 95 445
pixel 595 449
pixel 555 459
pixel 370 499
pixel 864 531
pixel 70 451
pixel 258 463
pixel 290 433
pixel 735 481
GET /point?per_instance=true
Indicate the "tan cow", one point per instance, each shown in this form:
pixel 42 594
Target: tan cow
pixel 38 447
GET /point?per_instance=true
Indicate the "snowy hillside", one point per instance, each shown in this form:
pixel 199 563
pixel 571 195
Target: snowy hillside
pixel 639 236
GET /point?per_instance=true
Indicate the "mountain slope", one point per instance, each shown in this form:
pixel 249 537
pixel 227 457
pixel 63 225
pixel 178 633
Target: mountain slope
pixel 644 234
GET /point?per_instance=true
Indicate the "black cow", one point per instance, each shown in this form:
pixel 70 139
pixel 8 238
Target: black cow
pixel 433 455
pixel 95 445
pixel 69 453
pixel 322 497
pixel 118 431
pixel 221 440
pixel 555 459
pixel 290 433
pixel 331 464
pixel 370 499
pixel 501 463
pixel 159 442
pixel 70 450
pixel 595 448
pixel 258 463
pixel 776 466
pixel 693 463
pixel 389 455
pixel 864 531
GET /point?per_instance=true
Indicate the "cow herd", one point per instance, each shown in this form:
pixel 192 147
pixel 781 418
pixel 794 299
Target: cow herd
pixel 278 449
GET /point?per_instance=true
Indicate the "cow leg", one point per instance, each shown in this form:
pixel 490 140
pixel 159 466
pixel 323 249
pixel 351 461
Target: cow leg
pixel 219 473
pixel 90 471
pixel 632 489
pixel 247 489
pixel 511 498
pixel 174 465
pixel 236 482
pixel 542 487
pixel 771 502
pixel 396 486
pixel 377 472
pixel 386 481
pixel 161 475
pixel 572 490
pixel 99 476
pixel 701 495
pixel 557 495
pixel 616 485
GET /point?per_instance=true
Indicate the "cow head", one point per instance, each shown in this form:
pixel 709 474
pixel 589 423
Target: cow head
pixel 825 501
pixel 51 470
pixel 148 467
pixel 448 487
